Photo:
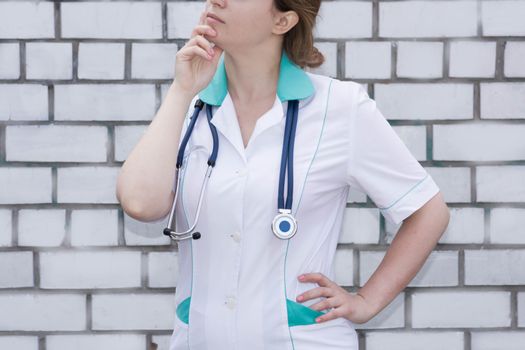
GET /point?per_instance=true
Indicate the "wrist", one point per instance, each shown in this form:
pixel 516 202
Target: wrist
pixel 178 90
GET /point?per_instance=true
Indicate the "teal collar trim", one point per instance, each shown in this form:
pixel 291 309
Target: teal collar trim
pixel 293 83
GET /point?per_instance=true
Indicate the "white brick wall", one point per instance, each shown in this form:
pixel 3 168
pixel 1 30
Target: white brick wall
pixel 80 81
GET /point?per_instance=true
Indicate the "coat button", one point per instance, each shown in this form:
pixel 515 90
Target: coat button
pixel 241 172
pixel 236 236
pixel 230 302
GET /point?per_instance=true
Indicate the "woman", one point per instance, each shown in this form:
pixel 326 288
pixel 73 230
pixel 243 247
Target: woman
pixel 239 285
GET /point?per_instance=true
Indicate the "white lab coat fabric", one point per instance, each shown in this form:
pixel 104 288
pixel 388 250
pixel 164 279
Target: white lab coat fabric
pixel 239 274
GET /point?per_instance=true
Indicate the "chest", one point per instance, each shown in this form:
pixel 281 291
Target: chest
pixel 247 116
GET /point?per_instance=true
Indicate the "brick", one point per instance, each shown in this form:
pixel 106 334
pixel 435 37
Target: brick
pixel 42 312
pixel 19 342
pixel 56 143
pixel 360 225
pixel 506 225
pixel 472 59
pixel 502 100
pixel 23 102
pixel 133 311
pixel 153 61
pixel 449 309
pixel 392 316
pixel 344 267
pixel 411 340
pixel 494 267
pixel 9 60
pixel 504 339
pixel 419 59
pixel 95 341
pixel 145 233
pixel 25 185
pixel 521 309
pixel 26 19
pixel 514 58
pixel 344 20
pixel 440 268
pixel 182 18
pixel 90 102
pixel 31 222
pixel 6 228
pixel 502 18
pixel 469 142
pixel 368 60
pixel 466 225
pixel 453 182
pixel 329 66
pixel 49 60
pixel 163 341
pixel 500 183
pixel 95 184
pixel 16 269
pixel 88 269
pixel 94 227
pixel 102 61
pixel 415 138
pixel 162 269
pixel 111 20
pixel 425 100
pixel 126 138
pixel 427 19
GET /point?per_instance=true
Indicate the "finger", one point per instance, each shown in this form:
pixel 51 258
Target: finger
pixel 315 293
pixel 199 51
pixel 324 304
pixel 335 313
pixel 316 277
pixel 203 29
pixel 201 41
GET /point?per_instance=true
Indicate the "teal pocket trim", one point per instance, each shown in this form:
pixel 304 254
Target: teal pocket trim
pixel 183 310
pixel 300 315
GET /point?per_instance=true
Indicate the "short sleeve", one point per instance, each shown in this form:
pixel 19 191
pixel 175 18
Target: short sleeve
pixel 185 124
pixel 381 166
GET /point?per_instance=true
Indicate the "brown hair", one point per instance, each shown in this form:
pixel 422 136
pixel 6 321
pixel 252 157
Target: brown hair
pixel 299 41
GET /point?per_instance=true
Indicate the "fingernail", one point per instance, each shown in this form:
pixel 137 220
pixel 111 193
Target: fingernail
pixel 300 297
pixel 301 277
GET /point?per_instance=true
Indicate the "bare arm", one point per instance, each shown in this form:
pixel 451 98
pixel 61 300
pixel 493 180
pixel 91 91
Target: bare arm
pixel 146 178
pixel 408 251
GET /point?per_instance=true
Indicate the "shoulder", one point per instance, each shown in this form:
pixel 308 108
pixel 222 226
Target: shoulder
pixel 336 92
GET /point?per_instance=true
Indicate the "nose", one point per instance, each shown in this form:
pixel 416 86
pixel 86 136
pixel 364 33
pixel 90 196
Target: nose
pixel 221 3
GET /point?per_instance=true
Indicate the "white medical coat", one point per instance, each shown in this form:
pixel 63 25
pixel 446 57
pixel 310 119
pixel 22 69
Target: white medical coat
pixel 237 284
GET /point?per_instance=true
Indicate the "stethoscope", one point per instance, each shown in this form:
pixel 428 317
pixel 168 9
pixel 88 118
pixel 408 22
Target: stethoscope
pixel 284 225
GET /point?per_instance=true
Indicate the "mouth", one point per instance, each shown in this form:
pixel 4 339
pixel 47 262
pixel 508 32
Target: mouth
pixel 211 15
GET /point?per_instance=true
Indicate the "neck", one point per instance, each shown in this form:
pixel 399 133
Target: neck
pixel 253 75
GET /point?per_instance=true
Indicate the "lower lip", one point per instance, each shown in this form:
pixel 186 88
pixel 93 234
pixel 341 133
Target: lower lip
pixel 213 20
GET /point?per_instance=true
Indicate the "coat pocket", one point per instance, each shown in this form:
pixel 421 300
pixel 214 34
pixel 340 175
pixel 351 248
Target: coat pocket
pixel 179 338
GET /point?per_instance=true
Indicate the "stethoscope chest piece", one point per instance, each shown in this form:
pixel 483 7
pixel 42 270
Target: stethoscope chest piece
pixel 284 225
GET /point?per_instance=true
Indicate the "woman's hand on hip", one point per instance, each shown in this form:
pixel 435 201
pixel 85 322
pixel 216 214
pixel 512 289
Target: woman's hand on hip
pixel 351 306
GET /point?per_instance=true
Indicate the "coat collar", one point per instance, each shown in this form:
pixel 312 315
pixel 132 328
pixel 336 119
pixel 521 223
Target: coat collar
pixel 293 83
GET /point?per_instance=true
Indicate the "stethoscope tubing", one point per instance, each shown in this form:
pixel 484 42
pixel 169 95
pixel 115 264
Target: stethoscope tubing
pixel 286 167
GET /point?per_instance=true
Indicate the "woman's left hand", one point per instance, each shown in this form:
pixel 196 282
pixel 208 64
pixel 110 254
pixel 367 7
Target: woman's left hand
pixel 352 306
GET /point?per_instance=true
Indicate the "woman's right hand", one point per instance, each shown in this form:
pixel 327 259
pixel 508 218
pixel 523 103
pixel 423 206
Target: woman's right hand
pixel 196 62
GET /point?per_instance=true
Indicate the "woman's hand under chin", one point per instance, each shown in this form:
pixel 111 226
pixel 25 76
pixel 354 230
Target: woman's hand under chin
pixel 352 306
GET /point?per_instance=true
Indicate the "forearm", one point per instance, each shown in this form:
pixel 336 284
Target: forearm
pixel 147 175
pixel 408 251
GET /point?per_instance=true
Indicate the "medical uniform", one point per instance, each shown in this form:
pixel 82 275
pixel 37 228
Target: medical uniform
pixel 237 285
